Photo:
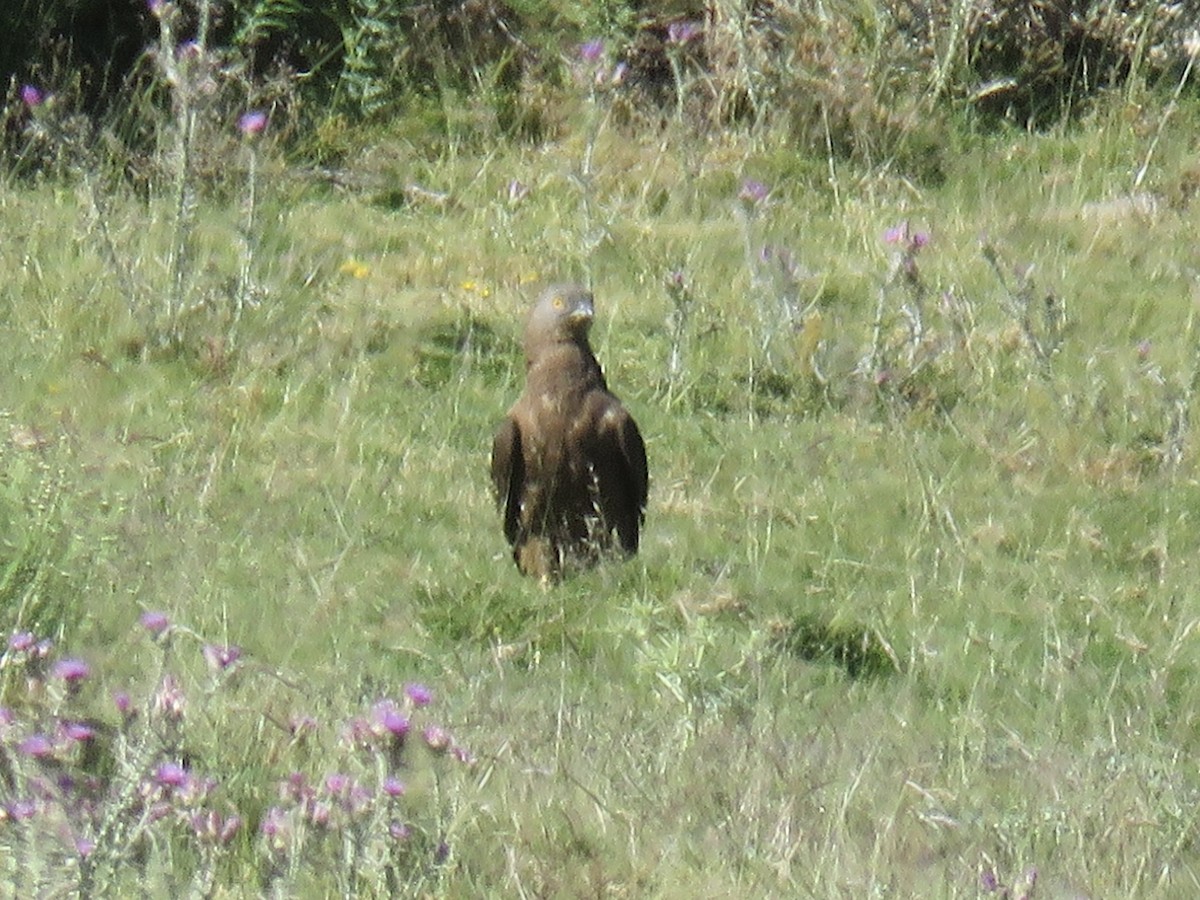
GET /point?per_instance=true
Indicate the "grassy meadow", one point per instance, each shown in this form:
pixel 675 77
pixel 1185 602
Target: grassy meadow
pixel 914 613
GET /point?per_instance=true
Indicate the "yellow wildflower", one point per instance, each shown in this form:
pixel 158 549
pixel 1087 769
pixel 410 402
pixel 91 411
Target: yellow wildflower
pixel 354 268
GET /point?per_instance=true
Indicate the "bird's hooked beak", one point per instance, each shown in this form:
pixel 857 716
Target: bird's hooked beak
pixel 583 313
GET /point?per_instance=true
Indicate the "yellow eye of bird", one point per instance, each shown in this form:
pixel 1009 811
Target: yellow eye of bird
pixel 559 302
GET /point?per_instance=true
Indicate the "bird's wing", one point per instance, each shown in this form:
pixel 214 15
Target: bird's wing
pixel 633 452
pixel 508 474
pixel 622 472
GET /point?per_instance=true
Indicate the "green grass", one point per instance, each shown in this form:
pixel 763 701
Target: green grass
pixel 877 640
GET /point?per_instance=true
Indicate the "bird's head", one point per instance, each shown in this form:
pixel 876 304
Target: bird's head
pixel 564 312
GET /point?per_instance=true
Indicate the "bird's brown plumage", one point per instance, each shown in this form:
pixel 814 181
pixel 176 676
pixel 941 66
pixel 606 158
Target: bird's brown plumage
pixel 568 462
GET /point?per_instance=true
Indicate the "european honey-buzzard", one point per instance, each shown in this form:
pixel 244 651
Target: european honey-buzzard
pixel 568 462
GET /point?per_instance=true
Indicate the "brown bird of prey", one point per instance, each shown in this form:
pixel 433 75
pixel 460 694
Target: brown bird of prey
pixel 568 462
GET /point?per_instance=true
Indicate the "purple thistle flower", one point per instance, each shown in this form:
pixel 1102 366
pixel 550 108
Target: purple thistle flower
pixel 124 704
pixel 195 790
pixel 212 828
pixel 753 191
pixel 36 745
pixel 682 32
pixel 436 739
pixel 79 732
pixel 170 701
pixel 157 811
pixel 252 122
pixel 205 823
pixel 156 7
pixel 20 810
pixel 337 783
pixel 988 882
pixel 902 234
pixel 358 733
pixel 441 854
pixel 231 826
pixel 31 95
pixel 155 622
pixel 399 831
pixel 463 755
pixel 392 787
pixel 84 847
pixel 72 671
pixel 220 658
pixel 357 801
pixel 274 823
pixel 169 774
pixel 395 723
pixel 21 641
pixel 42 649
pixel 418 694
pixel 591 51
pixel 319 813
pixel 7 716
pixel 295 787
pixel 389 718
